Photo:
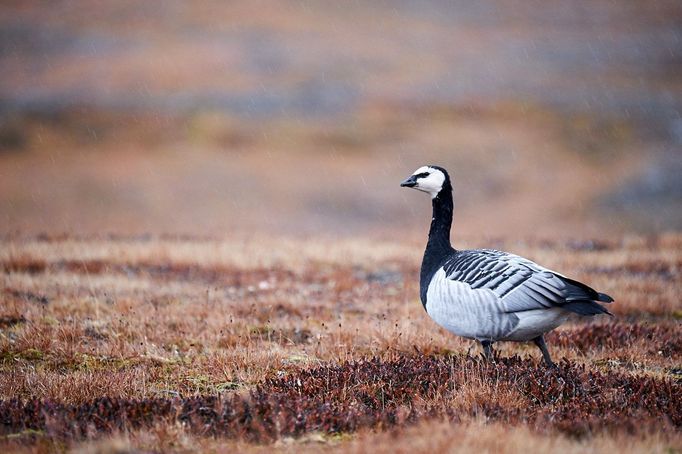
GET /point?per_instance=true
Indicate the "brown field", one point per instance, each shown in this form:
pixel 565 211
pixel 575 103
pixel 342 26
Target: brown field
pixel 254 342
pixel 204 247
pixel 300 117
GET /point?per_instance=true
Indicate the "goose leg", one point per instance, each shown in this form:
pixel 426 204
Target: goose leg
pixel 540 342
pixel 487 349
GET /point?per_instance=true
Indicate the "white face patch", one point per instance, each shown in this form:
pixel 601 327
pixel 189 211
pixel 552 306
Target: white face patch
pixel 432 183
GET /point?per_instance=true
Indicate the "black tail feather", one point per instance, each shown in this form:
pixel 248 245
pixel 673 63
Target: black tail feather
pixel 585 308
pixel 604 298
pixel 584 297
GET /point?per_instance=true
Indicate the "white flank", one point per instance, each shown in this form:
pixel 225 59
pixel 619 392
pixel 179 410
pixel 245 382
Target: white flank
pixel 536 323
pixel 480 314
pixel 474 314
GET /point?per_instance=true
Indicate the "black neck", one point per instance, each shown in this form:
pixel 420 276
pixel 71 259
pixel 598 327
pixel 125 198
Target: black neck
pixel 441 221
pixel 438 248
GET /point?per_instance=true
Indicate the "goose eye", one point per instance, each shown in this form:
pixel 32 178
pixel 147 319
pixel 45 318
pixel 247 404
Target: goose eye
pixel 422 175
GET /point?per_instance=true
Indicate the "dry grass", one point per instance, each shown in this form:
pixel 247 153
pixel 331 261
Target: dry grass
pixel 256 342
pixel 150 318
pixel 425 437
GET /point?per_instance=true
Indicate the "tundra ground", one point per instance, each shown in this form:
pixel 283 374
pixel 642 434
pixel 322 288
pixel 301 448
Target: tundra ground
pixel 249 343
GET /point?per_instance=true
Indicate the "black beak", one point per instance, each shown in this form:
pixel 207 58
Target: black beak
pixel 410 182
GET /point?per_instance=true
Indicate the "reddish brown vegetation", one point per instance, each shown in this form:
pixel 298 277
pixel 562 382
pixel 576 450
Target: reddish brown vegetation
pixel 663 339
pixel 177 339
pixel 377 393
pixel 25 296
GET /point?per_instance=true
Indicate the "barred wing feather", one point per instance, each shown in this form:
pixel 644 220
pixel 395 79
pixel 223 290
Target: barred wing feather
pixel 522 285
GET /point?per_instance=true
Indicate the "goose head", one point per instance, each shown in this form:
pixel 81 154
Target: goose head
pixel 430 179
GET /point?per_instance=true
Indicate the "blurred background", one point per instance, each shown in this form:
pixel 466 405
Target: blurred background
pixel 214 118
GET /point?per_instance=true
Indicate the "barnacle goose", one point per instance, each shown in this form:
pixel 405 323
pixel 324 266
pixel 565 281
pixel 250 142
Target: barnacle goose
pixel 488 295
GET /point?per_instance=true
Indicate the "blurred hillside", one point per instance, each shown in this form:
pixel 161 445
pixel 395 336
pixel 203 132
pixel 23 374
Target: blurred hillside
pixel 554 118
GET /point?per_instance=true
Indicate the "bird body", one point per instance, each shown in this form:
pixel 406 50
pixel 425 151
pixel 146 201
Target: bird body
pixel 489 295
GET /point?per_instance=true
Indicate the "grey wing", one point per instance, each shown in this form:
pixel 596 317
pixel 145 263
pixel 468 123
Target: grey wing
pixel 522 285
